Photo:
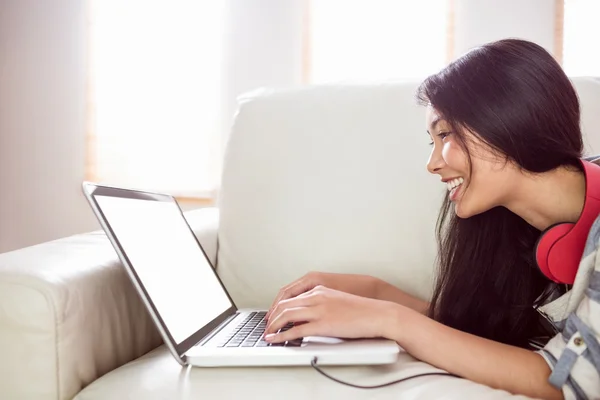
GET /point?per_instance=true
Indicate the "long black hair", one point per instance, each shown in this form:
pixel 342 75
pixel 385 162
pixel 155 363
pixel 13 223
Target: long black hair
pixel 515 97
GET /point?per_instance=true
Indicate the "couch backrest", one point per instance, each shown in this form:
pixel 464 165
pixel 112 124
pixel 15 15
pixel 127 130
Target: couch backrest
pixel 588 90
pixel 334 178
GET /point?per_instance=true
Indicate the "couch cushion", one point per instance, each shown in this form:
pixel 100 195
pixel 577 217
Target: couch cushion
pixel 328 178
pixel 158 376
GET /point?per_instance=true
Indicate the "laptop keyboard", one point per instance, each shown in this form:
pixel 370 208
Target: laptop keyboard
pixel 249 333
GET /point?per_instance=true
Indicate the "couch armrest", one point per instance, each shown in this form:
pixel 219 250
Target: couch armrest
pixel 69 314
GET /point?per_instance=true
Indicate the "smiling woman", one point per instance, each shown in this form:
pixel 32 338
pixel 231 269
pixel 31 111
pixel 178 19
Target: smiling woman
pixel 516 132
pixel 504 121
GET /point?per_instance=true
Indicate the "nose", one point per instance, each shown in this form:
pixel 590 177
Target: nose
pixel 436 161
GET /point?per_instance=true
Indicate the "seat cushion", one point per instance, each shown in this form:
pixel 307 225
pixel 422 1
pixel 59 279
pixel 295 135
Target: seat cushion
pixel 158 376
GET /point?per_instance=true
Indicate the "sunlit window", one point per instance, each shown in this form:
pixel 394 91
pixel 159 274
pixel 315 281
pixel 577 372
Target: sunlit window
pixel 358 40
pixel 155 80
pixel 581 38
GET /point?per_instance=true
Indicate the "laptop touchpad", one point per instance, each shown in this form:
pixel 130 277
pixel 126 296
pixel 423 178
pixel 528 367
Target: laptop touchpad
pixel 321 340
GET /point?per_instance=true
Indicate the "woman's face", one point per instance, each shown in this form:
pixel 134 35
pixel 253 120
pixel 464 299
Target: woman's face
pixel 488 183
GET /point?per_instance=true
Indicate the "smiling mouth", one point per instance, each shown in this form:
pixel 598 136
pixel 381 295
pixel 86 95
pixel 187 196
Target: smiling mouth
pixel 453 186
pixel 454 183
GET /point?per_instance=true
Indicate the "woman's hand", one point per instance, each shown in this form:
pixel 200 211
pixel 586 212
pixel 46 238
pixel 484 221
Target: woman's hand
pixel 324 311
pixel 360 285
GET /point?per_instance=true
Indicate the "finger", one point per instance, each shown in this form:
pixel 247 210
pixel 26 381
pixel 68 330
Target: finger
pixel 285 293
pixel 280 296
pixel 290 315
pixel 307 293
pixel 297 332
pixel 293 290
pixel 299 301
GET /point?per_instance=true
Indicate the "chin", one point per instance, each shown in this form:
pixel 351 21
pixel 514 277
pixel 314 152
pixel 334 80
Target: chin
pixel 461 214
pixel 464 211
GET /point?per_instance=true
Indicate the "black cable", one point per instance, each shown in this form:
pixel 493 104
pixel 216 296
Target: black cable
pixel 314 365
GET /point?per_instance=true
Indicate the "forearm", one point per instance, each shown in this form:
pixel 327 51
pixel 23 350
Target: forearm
pixel 388 292
pixel 497 365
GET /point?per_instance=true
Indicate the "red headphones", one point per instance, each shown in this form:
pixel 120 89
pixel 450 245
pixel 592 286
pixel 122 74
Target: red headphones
pixel 559 249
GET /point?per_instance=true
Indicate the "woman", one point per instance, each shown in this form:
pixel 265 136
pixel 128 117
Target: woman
pixel 505 134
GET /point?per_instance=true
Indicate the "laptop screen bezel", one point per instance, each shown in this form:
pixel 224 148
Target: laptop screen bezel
pixel 93 190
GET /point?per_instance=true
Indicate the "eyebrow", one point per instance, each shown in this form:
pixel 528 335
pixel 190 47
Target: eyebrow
pixel 435 121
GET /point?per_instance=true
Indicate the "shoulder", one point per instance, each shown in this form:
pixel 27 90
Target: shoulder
pixel 593 238
pixel 593 159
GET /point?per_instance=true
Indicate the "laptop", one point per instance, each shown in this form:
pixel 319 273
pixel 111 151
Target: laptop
pixel 197 318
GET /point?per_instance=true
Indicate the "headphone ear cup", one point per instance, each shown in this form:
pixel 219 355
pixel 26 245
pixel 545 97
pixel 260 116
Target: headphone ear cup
pixel 544 246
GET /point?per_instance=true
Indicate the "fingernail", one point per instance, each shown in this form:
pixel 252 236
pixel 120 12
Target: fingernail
pixel 269 337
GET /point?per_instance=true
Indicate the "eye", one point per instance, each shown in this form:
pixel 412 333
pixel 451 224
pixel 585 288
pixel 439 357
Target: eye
pixel 444 135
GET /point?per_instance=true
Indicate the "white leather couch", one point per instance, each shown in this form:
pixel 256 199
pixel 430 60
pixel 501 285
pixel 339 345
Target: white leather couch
pixel 325 178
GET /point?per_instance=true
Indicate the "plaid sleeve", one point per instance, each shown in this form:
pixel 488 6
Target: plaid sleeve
pixel 574 353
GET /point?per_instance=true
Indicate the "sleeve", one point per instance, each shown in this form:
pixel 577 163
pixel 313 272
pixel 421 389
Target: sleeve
pixel 574 354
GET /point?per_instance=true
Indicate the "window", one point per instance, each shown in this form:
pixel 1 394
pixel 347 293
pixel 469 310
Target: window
pixel 160 88
pixel 155 95
pixel 358 40
pixel 580 41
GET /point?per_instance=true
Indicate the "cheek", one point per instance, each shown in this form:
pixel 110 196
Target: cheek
pixel 483 191
pixel 454 156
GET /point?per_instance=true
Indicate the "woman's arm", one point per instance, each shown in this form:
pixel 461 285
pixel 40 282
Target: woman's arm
pixel 388 292
pixel 497 365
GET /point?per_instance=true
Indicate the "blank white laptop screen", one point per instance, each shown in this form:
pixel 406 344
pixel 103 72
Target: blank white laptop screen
pixel 168 261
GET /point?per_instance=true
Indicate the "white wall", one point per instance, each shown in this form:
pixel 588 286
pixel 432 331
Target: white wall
pixel 42 92
pixel 263 48
pixel 480 21
pixel 42 106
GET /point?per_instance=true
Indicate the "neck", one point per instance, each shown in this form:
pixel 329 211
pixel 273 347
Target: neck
pixel 549 198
